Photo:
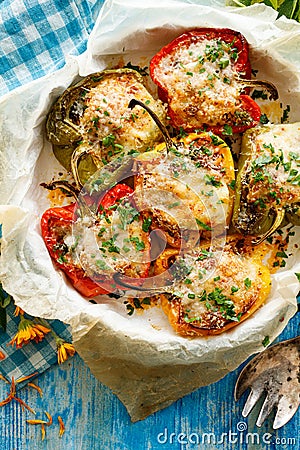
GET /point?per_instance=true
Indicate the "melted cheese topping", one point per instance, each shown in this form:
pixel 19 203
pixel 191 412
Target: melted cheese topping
pixel 109 126
pixel 219 288
pixel 188 190
pixel 201 83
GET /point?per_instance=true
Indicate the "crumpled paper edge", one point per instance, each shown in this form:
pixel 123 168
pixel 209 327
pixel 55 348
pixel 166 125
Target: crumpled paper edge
pixel 147 389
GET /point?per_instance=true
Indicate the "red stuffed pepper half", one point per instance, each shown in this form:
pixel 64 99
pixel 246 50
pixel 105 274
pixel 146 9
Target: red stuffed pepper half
pixel 89 250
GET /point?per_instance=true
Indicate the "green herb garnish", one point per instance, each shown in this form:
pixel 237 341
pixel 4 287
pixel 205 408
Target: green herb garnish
pixel 247 283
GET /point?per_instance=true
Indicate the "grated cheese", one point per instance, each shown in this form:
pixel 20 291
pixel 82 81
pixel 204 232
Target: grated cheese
pixel 200 90
pixel 109 126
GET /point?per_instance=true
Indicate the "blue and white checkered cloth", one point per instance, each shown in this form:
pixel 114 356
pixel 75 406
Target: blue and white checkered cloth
pixel 35 38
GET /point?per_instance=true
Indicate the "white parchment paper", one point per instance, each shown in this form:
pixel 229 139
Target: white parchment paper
pixel 140 357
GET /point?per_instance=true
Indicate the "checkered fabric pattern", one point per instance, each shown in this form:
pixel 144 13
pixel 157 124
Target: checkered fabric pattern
pixel 35 38
pixel 32 357
pixel 37 35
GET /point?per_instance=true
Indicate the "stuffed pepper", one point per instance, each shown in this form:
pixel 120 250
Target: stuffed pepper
pixel 267 192
pixel 88 251
pixel 201 75
pixel 90 123
pixel 187 186
pixel 213 293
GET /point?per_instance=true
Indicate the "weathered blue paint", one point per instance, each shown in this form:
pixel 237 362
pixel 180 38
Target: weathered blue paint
pixel 96 420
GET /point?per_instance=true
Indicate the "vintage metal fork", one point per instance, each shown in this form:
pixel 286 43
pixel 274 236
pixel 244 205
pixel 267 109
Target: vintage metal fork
pixel 274 373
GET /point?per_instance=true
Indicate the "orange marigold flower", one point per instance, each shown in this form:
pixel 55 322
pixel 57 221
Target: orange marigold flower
pixel 28 331
pixel 64 350
pixel 2 356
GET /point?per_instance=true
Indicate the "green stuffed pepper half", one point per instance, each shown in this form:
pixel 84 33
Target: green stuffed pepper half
pixel 267 191
pixel 90 123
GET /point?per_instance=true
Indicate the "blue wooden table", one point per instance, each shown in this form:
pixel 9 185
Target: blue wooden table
pixel 95 419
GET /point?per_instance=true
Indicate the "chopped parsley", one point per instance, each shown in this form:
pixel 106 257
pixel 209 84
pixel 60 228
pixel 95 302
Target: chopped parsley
pixel 234 289
pixel 61 259
pixel 281 255
pixel 101 264
pixel 261 203
pixel 188 319
pixel 204 254
pixel 139 245
pixel 146 224
pixel 180 269
pixel 110 246
pixel 232 184
pixel 227 130
pixel 211 180
pixel 223 62
pixel 264 119
pixel 224 303
pixel 203 225
pixel 127 214
pixel 295 156
pixel 266 341
pixel 101 231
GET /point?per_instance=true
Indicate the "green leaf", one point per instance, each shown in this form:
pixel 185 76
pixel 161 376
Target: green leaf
pixel 272 3
pixel 5 300
pixel 287 8
pixel 238 2
pixel 296 15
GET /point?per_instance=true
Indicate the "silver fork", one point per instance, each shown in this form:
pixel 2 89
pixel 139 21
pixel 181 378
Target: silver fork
pixel 275 373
